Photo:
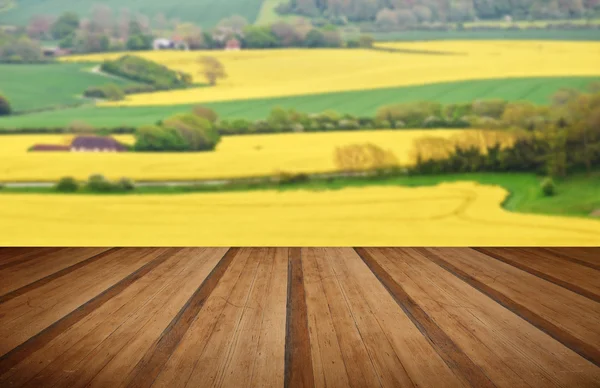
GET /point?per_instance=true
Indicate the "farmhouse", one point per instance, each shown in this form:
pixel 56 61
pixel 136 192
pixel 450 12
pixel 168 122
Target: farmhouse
pixel 96 144
pixel 50 147
pixel 170 44
pixel 233 45
pixel 84 144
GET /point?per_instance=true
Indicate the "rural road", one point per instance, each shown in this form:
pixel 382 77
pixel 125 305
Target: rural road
pixel 206 182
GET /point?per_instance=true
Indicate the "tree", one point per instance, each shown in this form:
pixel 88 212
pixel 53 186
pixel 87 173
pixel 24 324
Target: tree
pixel 259 37
pixel 206 113
pixel 366 41
pixel 286 34
pixel 65 25
pixel 182 132
pixel 315 38
pixel 5 108
pixel 39 27
pixel 386 18
pixel 212 69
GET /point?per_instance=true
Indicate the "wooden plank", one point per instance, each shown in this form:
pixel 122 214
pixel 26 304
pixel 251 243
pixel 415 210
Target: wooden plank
pixel 142 335
pixel 327 360
pixel 571 276
pixel 450 352
pixel 398 352
pixel 14 280
pixel 298 362
pixel 154 359
pixel 242 361
pixel 507 348
pixel 28 314
pixel 17 256
pixel 269 365
pixel 36 342
pixel 211 364
pixel 564 316
pixel 70 347
pixel 588 257
pixel 202 352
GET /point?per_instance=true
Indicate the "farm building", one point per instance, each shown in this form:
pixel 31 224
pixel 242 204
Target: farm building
pixel 170 44
pixel 84 144
pixel 96 144
pixel 50 147
pixel 233 45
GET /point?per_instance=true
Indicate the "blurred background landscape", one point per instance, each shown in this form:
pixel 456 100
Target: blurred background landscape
pixel 301 122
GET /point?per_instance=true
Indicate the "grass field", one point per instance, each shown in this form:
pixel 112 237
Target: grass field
pixel 278 73
pixel 558 35
pixel 31 87
pixel 361 103
pixel 267 14
pixel 450 214
pixel 529 23
pixel 206 13
pixel 235 156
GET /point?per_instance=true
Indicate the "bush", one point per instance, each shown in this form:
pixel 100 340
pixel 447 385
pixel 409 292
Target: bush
pixel 5 108
pixel 413 114
pixel 110 92
pixel 181 132
pixel 126 184
pixel 286 178
pixel 364 157
pixel 548 187
pixel 99 184
pixel 67 185
pixel 146 71
pixel 489 108
pixel 206 113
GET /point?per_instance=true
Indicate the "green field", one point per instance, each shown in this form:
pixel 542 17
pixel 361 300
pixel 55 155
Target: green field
pixel 206 13
pixel 575 35
pixel 33 87
pixel 577 195
pixel 360 103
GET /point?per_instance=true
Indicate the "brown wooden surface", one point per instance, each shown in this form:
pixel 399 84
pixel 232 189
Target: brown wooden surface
pixel 299 317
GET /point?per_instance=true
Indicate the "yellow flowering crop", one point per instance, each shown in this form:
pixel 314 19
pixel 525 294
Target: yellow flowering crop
pixel 235 156
pixel 457 214
pixel 288 72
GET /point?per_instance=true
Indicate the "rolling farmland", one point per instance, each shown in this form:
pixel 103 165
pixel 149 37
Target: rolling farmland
pixel 235 156
pixel 360 103
pixel 293 72
pixel 456 214
pixel 31 87
pixel 206 13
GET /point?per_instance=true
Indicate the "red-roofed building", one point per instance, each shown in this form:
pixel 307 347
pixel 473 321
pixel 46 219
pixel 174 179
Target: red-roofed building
pixel 233 45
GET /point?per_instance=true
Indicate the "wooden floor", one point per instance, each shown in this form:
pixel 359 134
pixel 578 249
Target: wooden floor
pixel 299 317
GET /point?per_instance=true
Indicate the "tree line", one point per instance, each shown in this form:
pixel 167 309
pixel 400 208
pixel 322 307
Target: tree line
pixel 552 140
pixel 105 30
pixel 412 12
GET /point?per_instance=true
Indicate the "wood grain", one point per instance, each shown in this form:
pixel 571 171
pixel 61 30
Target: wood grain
pixel 589 351
pixel 452 355
pixel 298 360
pixel 24 350
pixel 85 260
pixel 155 358
pixel 571 276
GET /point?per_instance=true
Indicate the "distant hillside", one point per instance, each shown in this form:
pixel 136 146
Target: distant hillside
pixel 206 13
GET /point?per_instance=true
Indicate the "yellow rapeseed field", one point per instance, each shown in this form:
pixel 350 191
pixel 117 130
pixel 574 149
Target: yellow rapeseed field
pixel 235 156
pixel 287 72
pixel 456 214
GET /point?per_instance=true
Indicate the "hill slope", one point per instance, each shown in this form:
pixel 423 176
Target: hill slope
pixel 32 87
pixel 206 13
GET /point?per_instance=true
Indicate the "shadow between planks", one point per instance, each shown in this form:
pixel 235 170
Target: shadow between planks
pixel 299 317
